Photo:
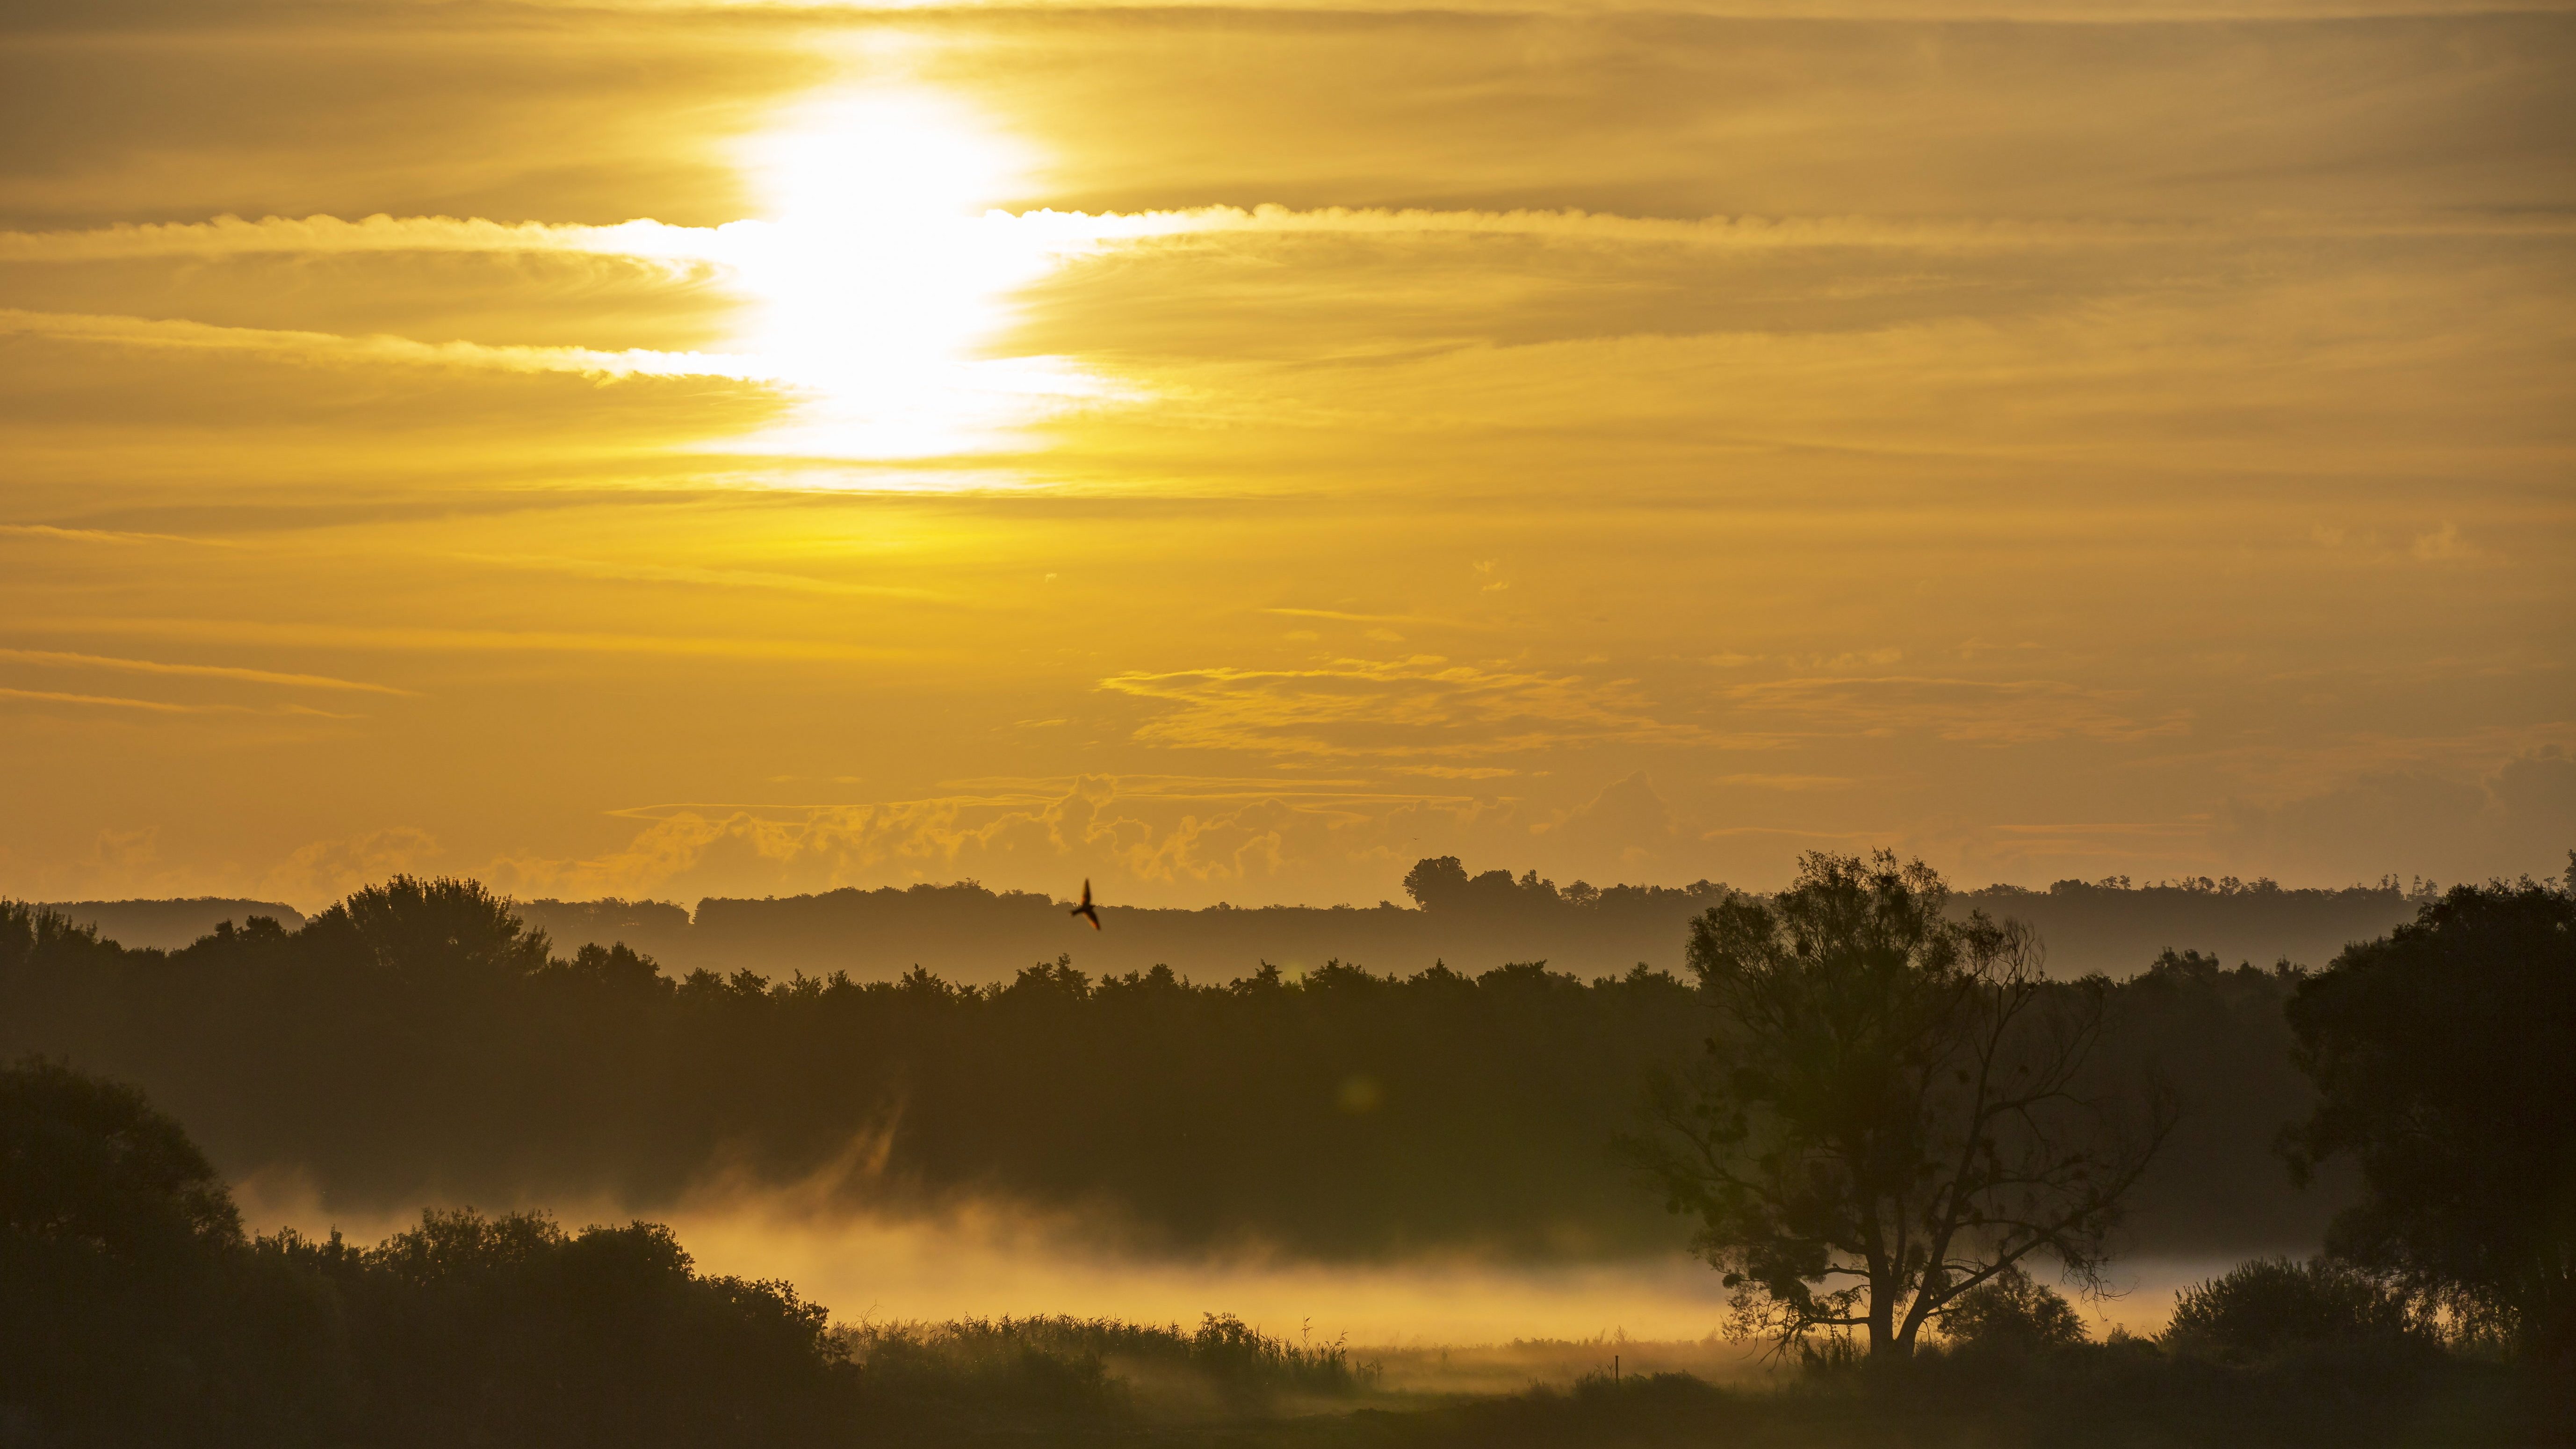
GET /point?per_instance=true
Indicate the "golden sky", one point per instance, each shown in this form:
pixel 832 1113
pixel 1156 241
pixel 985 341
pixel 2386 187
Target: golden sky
pixel 1233 451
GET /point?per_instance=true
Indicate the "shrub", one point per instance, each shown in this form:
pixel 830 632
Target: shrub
pixel 2273 1305
pixel 2012 1312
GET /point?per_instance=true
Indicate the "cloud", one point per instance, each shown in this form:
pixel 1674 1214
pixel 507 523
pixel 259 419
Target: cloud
pixel 126 850
pixel 160 706
pixel 1627 823
pixel 700 574
pixel 1395 708
pixel 1186 838
pixel 2033 852
pixel 462 641
pixel 2443 544
pixel 687 250
pixel 1343 617
pixel 1790 782
pixel 232 236
pixel 1028 388
pixel 326 347
pixel 2518 818
pixel 201 671
pixel 1961 378
pixel 1728 232
pixel 327 870
pixel 157 706
pixel 98 535
pixel 1995 712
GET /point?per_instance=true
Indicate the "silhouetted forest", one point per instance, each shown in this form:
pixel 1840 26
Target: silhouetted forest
pixel 967 933
pixel 169 924
pixel 419 1042
pixel 972 935
pixel 135 1311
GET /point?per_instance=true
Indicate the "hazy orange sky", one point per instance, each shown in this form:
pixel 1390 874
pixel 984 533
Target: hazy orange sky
pixel 1234 451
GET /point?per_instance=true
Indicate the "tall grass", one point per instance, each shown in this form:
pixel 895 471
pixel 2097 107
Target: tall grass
pixel 1097 1369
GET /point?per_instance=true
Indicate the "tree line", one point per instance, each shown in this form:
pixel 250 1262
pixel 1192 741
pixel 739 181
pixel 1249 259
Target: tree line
pixel 971 933
pixel 419 1042
pixel 1889 1119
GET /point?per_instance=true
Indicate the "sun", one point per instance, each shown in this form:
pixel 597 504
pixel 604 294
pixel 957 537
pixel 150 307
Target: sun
pixel 880 276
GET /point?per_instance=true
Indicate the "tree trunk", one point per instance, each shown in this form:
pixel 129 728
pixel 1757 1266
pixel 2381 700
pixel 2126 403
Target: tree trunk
pixel 1883 1341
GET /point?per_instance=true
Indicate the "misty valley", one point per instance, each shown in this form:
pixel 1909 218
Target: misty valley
pixel 1287 724
pixel 1857 1160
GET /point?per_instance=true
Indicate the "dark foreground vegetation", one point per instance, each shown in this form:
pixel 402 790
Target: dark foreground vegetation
pixel 133 1311
pixel 419 1042
pixel 1887 1116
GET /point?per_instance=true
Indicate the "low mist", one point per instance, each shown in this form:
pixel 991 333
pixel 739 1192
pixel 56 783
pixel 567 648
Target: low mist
pixel 1533 1321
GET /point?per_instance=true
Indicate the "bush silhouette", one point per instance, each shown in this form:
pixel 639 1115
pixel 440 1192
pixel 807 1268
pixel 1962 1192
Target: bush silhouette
pixel 2012 1313
pixel 608 1336
pixel 2273 1306
pixel 132 1310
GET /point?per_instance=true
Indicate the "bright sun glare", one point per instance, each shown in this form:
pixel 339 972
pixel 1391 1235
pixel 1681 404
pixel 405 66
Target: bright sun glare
pixel 881 276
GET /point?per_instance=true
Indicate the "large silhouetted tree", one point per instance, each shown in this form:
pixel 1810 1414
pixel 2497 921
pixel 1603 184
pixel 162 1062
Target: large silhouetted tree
pixel 88 1167
pixel 2446 1059
pixel 114 1231
pixel 434 928
pixel 1888 1114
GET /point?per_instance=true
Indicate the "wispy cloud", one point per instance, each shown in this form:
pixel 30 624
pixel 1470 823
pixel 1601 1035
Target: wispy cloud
pixel 1396 708
pixel 1747 232
pixel 328 869
pixel 331 347
pixel 698 574
pixel 1162 831
pixel 97 535
pixel 686 248
pixel 1790 782
pixel 160 706
pixel 2148 828
pixel 276 235
pixel 201 671
pixel 462 641
pixel 156 706
pixel 1183 787
pixel 1995 712
pixel 1343 617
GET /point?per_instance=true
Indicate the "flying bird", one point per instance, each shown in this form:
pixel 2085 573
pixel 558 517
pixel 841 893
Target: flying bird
pixel 1087 908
